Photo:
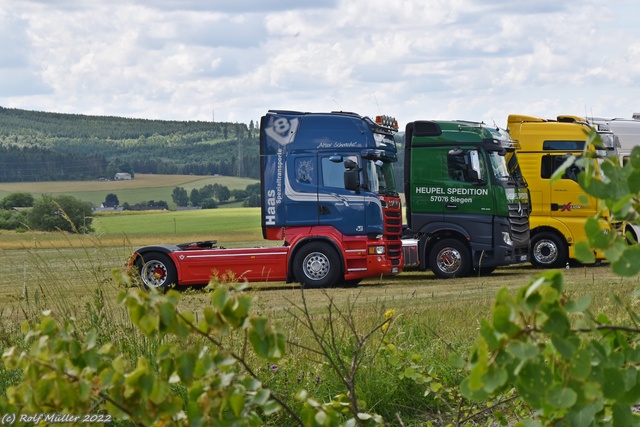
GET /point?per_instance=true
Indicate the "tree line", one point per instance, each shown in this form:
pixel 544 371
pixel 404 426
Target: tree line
pixel 209 196
pixel 39 146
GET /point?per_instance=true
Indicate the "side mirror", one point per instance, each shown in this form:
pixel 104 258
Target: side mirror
pixel 350 164
pixel 352 180
pixel 475 172
pixel 351 176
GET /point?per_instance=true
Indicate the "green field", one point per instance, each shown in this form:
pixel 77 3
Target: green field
pixel 142 188
pixel 228 225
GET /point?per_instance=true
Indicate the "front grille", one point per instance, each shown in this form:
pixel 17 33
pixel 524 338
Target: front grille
pixel 392 222
pixel 393 233
pixel 519 221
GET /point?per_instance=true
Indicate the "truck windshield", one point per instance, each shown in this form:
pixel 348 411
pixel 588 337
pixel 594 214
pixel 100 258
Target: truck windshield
pixel 499 166
pixel 506 167
pixel 380 177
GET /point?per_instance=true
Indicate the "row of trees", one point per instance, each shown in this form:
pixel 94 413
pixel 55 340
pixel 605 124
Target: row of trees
pixel 78 126
pixel 42 164
pixel 211 195
pixel 37 146
pixel 47 213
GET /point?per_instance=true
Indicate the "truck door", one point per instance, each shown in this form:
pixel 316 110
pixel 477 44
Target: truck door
pixel 301 190
pixel 429 173
pixel 338 206
pixel 565 193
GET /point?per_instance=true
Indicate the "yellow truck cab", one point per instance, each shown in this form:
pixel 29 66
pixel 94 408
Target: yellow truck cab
pixel 558 213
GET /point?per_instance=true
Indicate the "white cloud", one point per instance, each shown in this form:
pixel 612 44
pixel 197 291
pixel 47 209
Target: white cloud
pixel 451 59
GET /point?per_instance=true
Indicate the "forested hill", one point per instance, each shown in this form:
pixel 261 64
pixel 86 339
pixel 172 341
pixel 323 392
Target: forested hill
pixel 42 146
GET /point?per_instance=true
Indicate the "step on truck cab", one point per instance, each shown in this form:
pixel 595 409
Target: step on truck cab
pixel 626 135
pixel 467 205
pixel 558 210
pixel 328 194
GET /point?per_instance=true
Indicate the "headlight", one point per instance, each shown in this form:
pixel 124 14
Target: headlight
pixel 507 238
pixel 376 250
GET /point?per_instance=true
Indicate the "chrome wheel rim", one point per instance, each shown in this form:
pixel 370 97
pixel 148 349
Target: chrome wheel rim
pixel 449 260
pixel 545 252
pixel 316 266
pixel 154 274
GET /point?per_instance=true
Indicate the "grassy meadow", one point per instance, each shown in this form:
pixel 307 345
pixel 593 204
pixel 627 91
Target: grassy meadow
pixel 73 276
pixel 143 187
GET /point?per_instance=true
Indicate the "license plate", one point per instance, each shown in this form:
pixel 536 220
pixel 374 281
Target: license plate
pixel 523 257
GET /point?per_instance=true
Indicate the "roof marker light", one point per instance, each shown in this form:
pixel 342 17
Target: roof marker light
pixel 387 121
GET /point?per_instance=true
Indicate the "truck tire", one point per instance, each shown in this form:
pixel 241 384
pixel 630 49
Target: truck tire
pixel 450 258
pixel 157 271
pixel 548 250
pixel 316 265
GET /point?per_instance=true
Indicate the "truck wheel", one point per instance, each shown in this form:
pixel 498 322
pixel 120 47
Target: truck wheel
pixel 548 251
pixel 157 270
pixel 450 258
pixel 316 265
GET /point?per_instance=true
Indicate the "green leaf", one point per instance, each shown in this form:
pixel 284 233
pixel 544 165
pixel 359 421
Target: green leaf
pixel 578 305
pixel 599 237
pixel 580 364
pixel 502 321
pixel 582 416
pixel 614 252
pixel 487 332
pixel 612 383
pixel 523 351
pixel 584 253
pixel 622 415
pixel 566 347
pixel 495 378
pixel 267 341
pixel 148 323
pixel 533 381
pixel 160 392
pixel 167 314
pixel 262 397
pixel 472 393
pixel 562 397
pixel 236 402
pixel 634 181
pixel 456 361
pixel 220 297
pixel 628 264
pixel 185 366
pixel 91 358
pixel 557 323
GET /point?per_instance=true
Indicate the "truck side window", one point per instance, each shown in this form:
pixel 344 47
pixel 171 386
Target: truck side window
pixel 465 166
pixel 551 163
pixel 458 167
pixel 333 173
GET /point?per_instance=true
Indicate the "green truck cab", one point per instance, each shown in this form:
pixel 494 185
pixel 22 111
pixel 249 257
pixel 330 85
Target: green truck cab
pixel 467 205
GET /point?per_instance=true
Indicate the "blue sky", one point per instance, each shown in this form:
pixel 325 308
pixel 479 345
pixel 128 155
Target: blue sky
pixel 233 60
